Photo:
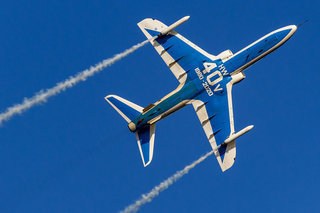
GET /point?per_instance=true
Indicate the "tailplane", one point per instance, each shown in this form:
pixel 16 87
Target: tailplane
pixel 145 136
pixel 126 109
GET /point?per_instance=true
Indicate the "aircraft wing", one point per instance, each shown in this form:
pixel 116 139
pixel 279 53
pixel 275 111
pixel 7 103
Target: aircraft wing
pixel 216 116
pixel 178 53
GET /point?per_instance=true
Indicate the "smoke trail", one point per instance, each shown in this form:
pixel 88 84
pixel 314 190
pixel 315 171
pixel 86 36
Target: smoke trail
pixel 146 198
pixel 43 95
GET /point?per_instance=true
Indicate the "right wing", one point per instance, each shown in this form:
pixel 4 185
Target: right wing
pixel 216 116
pixel 178 53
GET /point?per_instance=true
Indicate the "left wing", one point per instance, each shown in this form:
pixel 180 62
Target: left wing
pixel 216 116
pixel 180 54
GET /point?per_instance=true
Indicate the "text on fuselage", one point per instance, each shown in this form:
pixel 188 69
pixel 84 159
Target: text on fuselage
pixel 213 78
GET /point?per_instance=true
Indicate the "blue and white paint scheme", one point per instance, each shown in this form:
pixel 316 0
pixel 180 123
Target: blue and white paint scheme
pixel 205 81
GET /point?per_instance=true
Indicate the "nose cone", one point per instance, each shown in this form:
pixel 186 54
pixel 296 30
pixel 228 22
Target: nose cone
pixel 293 28
pixel 284 33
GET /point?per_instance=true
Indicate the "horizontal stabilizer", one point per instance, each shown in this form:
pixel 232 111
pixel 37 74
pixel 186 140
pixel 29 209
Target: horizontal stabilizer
pixel 125 108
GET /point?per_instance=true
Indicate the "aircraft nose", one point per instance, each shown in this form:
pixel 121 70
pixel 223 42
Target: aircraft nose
pixel 286 32
pixel 293 28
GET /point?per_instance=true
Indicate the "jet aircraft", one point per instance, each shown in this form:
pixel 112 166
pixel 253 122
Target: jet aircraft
pixel 205 81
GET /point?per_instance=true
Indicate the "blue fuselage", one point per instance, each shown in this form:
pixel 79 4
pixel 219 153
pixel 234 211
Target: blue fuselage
pixel 197 81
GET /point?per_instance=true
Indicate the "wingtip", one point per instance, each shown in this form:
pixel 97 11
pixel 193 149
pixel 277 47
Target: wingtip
pixel 108 96
pixel 250 127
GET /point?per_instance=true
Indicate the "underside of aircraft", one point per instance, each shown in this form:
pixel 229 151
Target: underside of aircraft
pixel 205 82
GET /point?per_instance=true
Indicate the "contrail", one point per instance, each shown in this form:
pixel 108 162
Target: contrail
pixel 146 198
pixel 43 95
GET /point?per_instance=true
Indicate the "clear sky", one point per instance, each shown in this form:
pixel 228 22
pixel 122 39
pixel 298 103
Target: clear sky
pixel 76 154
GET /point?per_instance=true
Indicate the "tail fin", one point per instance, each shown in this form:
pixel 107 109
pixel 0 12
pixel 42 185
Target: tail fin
pixel 145 136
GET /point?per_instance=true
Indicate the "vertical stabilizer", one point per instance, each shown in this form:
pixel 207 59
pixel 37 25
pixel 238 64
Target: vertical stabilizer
pixel 145 136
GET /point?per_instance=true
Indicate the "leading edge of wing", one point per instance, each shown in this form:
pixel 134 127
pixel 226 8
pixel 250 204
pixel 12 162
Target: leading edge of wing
pixel 178 53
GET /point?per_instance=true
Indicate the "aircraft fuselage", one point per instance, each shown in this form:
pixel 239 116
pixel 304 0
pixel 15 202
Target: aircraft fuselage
pixel 209 75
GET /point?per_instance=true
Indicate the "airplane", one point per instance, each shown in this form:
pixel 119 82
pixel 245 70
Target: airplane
pixel 205 81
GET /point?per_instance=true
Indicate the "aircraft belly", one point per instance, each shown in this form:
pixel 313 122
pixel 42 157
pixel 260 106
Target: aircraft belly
pixel 247 57
pixel 257 50
pixel 168 105
pixel 170 111
pixel 205 82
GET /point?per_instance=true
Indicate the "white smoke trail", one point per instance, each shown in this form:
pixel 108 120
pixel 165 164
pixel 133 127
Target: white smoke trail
pixel 146 198
pixel 43 95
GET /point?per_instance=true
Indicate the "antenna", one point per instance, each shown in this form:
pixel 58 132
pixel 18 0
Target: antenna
pixel 302 23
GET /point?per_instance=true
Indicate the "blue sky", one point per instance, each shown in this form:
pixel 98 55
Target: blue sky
pixel 75 153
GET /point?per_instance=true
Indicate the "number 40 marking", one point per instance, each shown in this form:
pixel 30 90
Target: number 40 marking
pixel 212 83
pixel 208 68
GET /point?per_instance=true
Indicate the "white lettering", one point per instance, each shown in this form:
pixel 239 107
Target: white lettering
pixel 218 88
pixel 207 88
pixel 216 80
pixel 223 69
pixel 208 67
pixel 200 76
